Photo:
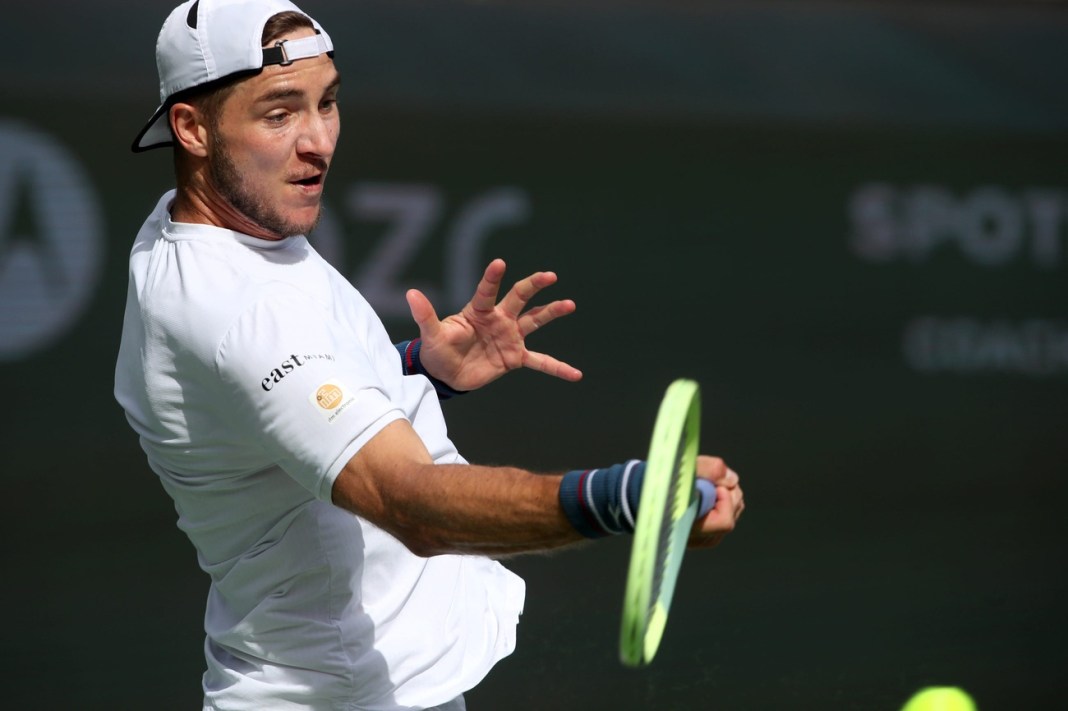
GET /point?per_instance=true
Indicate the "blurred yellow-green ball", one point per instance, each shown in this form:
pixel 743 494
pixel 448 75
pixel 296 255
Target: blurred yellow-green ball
pixel 940 698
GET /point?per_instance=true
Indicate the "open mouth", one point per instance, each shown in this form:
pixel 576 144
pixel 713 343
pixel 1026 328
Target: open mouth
pixel 310 180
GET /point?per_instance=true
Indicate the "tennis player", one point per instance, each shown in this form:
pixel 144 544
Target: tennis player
pixel 350 547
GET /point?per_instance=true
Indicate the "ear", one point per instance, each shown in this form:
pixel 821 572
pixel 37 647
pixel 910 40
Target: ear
pixel 190 128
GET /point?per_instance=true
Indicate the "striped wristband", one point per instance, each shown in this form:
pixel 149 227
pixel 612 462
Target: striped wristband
pixel 603 502
pixel 412 365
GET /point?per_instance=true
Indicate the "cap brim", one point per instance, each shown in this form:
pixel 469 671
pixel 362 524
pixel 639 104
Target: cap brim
pixel 155 134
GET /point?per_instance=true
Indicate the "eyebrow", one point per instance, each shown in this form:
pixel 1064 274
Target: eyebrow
pixel 294 93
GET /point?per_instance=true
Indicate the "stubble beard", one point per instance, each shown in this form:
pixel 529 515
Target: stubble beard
pixel 231 187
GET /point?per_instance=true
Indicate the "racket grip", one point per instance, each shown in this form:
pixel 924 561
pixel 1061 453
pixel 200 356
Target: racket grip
pixel 706 490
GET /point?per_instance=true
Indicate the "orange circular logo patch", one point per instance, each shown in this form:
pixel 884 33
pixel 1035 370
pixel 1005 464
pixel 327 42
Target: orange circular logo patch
pixel 328 396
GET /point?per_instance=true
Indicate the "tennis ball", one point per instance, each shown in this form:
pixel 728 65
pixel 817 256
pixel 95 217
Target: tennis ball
pixel 940 698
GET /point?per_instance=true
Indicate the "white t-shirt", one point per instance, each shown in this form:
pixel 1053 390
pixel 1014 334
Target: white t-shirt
pixel 252 372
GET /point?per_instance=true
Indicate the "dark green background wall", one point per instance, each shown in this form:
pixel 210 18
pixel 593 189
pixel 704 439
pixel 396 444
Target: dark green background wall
pixel 846 220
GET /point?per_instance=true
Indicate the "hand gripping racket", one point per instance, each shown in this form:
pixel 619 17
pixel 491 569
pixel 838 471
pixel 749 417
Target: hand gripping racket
pixel 669 504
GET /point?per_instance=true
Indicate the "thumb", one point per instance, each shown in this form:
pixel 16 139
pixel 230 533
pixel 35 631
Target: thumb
pixel 423 313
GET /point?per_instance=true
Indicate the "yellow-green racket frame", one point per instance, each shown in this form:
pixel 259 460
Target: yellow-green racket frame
pixel 666 512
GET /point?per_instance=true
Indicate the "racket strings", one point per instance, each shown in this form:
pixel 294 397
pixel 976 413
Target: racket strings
pixel 673 511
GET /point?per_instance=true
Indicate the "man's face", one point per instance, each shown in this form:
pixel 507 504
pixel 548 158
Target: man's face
pixel 272 144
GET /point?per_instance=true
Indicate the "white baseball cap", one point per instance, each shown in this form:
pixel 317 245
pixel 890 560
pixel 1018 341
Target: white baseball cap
pixel 204 41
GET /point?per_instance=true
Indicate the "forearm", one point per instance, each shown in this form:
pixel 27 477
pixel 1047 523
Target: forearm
pixel 457 508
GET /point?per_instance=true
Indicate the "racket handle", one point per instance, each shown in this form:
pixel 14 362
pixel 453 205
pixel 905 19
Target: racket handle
pixel 706 490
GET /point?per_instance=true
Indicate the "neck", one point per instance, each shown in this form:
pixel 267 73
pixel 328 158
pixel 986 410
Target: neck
pixel 198 202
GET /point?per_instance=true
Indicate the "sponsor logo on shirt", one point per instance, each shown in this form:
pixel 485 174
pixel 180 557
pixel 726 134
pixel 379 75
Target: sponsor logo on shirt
pixel 328 396
pixel 288 366
pixel 331 399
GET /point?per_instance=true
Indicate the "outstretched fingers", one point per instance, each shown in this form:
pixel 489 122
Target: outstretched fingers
pixel 518 298
pixel 543 363
pixel 423 313
pixel 541 315
pixel 489 286
pixel 524 290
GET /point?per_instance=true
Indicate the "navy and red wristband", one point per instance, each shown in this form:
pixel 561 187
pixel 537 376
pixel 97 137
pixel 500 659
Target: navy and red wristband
pixel 603 502
pixel 412 365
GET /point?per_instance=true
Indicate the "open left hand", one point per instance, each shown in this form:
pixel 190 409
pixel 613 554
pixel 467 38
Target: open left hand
pixel 487 339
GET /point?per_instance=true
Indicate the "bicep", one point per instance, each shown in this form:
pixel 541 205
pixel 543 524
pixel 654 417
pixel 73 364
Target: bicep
pixel 381 479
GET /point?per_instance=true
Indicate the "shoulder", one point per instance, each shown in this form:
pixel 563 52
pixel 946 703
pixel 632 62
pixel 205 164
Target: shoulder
pixel 192 292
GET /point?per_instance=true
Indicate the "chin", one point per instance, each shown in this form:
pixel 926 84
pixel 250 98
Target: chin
pixel 297 222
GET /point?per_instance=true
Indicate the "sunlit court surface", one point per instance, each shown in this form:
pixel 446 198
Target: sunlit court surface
pixel 847 221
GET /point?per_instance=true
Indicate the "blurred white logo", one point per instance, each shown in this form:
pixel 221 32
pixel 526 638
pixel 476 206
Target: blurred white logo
pixel 413 213
pixel 50 240
pixel 990 226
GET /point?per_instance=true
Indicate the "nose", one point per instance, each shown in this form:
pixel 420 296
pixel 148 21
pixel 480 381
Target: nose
pixel 319 136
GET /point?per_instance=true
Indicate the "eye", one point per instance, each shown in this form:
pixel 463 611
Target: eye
pixel 276 118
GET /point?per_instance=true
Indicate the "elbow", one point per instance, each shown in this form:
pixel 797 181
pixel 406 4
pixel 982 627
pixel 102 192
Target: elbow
pixel 398 519
pixel 422 541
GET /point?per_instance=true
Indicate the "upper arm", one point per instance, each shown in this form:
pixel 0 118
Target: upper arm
pixel 379 480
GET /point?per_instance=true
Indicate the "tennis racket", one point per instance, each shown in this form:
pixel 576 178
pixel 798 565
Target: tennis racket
pixel 669 504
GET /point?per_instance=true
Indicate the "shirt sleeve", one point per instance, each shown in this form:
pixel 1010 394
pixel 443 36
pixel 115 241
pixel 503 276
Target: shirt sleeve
pixel 305 384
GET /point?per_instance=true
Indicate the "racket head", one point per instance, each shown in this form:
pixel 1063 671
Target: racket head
pixel 666 512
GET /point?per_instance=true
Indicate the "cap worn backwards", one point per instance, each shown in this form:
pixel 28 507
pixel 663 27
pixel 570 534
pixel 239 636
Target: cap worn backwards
pixel 205 41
